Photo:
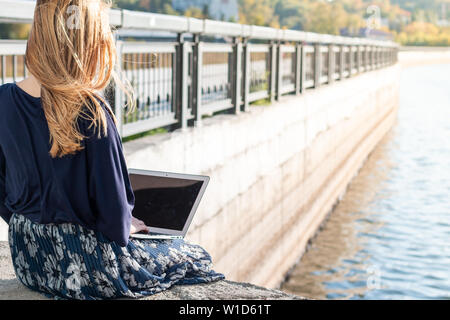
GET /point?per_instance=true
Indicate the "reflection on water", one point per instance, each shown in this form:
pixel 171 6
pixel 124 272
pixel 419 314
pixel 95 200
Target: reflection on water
pixel 389 238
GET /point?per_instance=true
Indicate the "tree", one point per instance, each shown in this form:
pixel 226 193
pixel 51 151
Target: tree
pixel 291 13
pixel 14 31
pixel 195 12
pixel 257 12
pixel 327 18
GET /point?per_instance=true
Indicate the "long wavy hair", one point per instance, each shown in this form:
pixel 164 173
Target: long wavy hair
pixel 71 52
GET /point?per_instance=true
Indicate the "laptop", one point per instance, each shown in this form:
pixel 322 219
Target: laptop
pixel 165 201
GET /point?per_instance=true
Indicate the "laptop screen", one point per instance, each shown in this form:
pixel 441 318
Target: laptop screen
pixel 164 202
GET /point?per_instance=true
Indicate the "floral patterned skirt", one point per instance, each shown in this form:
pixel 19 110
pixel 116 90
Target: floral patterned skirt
pixel 68 261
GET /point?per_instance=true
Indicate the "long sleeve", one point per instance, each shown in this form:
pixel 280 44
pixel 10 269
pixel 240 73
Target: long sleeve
pixel 4 212
pixel 109 185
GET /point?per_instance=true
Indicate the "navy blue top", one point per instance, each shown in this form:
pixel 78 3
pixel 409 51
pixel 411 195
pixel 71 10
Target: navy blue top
pixel 91 188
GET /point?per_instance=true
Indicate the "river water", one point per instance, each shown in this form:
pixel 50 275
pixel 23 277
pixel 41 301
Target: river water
pixel 389 237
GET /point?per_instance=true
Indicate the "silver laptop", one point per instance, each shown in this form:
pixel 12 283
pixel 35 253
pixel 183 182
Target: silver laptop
pixel 166 201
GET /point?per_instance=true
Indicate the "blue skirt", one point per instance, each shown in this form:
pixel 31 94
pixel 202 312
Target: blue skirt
pixel 68 261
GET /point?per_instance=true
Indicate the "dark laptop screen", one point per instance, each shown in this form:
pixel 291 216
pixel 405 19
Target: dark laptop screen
pixel 163 202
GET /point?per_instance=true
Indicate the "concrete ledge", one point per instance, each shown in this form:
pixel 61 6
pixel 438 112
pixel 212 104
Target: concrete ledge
pixel 12 289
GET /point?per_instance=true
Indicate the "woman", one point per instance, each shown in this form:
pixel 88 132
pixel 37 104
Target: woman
pixel 64 186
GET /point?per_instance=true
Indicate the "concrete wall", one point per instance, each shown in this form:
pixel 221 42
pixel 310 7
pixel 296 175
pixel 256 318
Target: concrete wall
pixel 275 171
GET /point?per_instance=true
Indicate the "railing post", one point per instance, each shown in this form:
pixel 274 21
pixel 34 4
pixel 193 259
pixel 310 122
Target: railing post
pixel 350 62
pixel 246 75
pixel 363 58
pixel 368 58
pixel 298 68
pixel 197 81
pixel 331 63
pixel 273 70
pixel 118 93
pixel 303 68
pixel 14 57
pixel 3 62
pixel 378 57
pixel 342 62
pixel 358 59
pixel 279 81
pixel 385 57
pixel 237 75
pixel 374 57
pixel 381 58
pixel 182 83
pixel 317 64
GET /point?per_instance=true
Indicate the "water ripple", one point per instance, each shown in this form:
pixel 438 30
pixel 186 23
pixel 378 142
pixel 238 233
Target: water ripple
pixel 389 236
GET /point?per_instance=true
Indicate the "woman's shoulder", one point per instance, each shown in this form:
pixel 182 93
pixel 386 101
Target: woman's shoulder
pixel 85 122
pixel 104 104
pixel 6 99
pixel 5 91
pixel 6 86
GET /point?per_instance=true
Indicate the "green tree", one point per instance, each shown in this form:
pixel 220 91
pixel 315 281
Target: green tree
pixel 257 12
pixel 14 31
pixel 291 13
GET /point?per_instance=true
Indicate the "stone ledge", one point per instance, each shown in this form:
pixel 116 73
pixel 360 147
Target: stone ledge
pixel 12 289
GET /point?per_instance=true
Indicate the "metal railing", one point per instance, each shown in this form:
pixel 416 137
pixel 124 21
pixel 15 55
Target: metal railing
pixel 210 66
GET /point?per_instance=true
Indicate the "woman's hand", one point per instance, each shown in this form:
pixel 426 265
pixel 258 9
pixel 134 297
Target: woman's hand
pixel 138 226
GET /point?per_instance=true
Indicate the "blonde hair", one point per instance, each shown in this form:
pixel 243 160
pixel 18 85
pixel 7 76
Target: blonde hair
pixel 71 52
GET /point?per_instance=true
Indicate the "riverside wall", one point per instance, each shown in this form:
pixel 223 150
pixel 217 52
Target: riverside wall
pixel 276 171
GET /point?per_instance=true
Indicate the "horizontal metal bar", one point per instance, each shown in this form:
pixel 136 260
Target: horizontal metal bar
pixel 153 21
pixel 16 11
pixel 132 128
pixel 258 47
pixel 309 84
pixel 210 108
pixel 216 47
pixel 259 95
pixel 287 89
pixel 12 47
pixel 221 27
pixel 287 49
pixel 148 47
pixel 309 49
pixel 258 32
pixel 115 17
pixel 293 35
